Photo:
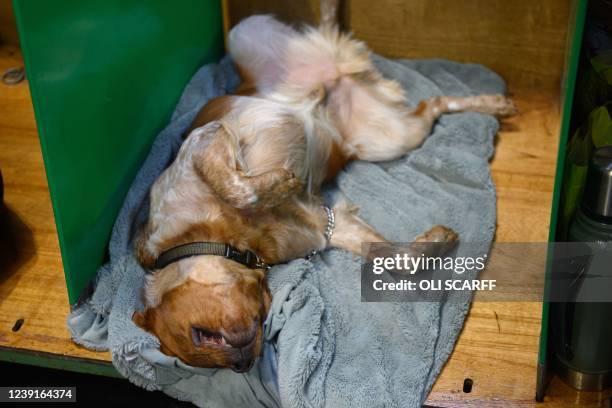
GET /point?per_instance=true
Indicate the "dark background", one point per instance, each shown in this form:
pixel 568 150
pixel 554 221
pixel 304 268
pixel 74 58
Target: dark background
pixel 92 390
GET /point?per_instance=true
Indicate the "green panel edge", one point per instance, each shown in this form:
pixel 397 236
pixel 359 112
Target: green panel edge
pixel 74 293
pixel 576 21
pixel 39 129
pixel 59 362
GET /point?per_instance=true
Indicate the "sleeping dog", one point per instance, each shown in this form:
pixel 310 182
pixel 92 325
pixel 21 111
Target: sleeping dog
pixel 243 191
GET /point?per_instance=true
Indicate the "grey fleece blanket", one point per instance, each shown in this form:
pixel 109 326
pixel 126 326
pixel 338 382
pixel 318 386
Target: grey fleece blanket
pixel 325 348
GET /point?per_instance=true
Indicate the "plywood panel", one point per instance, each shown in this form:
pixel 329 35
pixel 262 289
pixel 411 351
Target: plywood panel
pixel 523 167
pixel 523 40
pixel 301 11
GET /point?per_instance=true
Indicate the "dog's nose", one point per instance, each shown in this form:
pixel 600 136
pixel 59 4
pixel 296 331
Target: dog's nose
pixel 246 360
pixel 243 366
pixel 240 340
pixel 243 338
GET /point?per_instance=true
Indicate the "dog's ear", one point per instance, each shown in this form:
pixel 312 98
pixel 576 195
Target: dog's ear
pixel 144 256
pixel 143 320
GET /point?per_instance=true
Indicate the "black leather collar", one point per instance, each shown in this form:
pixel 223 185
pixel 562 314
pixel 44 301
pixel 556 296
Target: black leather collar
pixel 247 258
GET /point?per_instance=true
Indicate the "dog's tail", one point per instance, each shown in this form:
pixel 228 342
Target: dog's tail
pixel 329 13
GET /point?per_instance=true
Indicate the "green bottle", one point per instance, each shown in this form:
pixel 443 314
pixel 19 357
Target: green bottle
pixel 583 341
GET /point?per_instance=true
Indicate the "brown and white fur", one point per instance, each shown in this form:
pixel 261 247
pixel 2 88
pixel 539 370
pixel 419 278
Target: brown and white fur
pixel 249 174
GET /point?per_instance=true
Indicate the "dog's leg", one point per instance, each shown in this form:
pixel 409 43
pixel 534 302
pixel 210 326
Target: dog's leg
pixel 497 105
pixel 375 130
pixel 258 45
pixel 351 232
pixel 422 118
pixel 216 165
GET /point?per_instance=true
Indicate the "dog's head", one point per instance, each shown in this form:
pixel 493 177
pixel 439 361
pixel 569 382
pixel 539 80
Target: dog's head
pixel 208 311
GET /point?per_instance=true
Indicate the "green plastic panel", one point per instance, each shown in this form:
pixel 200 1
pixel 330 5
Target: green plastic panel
pixel 104 77
pixel 574 42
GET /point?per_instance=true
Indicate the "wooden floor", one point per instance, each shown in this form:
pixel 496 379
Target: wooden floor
pixel 497 348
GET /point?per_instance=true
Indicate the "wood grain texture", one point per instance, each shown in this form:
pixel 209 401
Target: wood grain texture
pixel 523 167
pixel 498 350
pixel 497 347
pixel 523 40
pixel 295 12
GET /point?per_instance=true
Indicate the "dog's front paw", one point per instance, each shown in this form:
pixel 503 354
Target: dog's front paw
pixel 285 185
pixel 435 242
pixel 438 233
pixel 290 184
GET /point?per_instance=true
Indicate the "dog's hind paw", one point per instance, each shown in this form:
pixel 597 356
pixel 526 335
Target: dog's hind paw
pixel 497 105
